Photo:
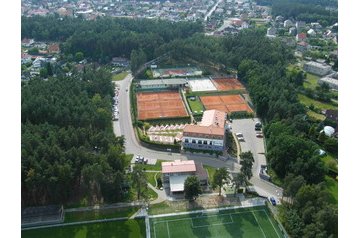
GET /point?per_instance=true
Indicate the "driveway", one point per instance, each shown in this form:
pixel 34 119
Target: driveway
pixel 257 147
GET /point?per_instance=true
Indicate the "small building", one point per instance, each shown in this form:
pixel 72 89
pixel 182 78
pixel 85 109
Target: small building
pixel 173 83
pixel 27 42
pixel 332 115
pixel 317 68
pixel 330 80
pixel 119 61
pixel 209 134
pixel 302 46
pixel 176 172
pixel 301 37
pixel 292 31
pixel 53 48
pixel 288 23
pixel 311 32
pixel 271 32
pixel 279 18
pixel 300 24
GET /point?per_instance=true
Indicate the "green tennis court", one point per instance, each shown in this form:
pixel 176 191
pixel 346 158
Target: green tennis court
pixel 244 222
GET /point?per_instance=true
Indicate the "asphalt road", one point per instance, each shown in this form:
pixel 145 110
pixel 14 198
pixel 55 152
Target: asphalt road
pixel 256 146
pixel 246 126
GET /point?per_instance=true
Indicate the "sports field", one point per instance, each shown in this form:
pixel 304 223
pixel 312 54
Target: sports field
pixel 225 103
pixel 160 105
pixel 201 85
pixel 244 222
pixel 227 84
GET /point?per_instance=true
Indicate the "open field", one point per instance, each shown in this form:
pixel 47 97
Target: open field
pixel 195 106
pixel 244 222
pixel 227 84
pixel 120 76
pixel 160 105
pixel 321 105
pixel 117 229
pixel 226 103
pixel 332 188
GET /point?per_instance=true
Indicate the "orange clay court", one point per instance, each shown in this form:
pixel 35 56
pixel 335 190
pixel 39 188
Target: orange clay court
pixel 226 84
pixel 226 103
pixel 160 105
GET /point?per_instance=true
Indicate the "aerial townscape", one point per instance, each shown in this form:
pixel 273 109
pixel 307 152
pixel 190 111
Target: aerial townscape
pixel 207 118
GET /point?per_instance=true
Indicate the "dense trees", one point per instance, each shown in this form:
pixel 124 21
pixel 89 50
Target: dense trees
pixel 246 161
pixel 68 148
pixel 106 37
pixel 192 187
pixel 139 180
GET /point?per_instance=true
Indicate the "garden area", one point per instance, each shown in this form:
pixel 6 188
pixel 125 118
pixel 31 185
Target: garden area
pixel 120 76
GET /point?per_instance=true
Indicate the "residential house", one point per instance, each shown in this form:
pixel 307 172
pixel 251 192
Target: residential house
pixel 176 172
pixel 271 32
pixel 119 61
pixel 331 80
pixel 301 37
pixel 292 31
pixel 27 42
pixel 317 68
pixel 302 46
pixel 300 25
pixel 311 32
pixel 288 23
pixel 53 48
pixel 209 134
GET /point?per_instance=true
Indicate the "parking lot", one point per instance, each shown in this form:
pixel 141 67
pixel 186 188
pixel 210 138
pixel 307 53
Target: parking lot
pixel 251 142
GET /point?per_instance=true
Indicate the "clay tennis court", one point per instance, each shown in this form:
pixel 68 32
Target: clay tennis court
pixel 160 105
pixel 226 84
pixel 226 103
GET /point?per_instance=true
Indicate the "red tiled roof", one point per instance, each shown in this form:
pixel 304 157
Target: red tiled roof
pixel 178 166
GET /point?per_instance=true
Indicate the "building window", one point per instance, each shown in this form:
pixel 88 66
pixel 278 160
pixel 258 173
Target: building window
pixel 210 143
pixel 193 141
pixel 200 142
pixel 186 141
pixel 205 142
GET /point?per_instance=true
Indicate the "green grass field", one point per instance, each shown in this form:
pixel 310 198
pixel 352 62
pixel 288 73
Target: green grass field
pixel 196 106
pixel 120 76
pixel 117 229
pixel 311 81
pixel 100 214
pixel 245 222
pixel 321 105
pixel 332 188
pixel 315 115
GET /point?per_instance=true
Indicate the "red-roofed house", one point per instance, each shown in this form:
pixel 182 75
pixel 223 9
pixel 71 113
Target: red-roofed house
pixel 301 36
pixel 209 134
pixel 176 172
pixel 53 48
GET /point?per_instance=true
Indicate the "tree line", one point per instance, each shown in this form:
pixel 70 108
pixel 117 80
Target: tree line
pixel 68 149
pixel 106 37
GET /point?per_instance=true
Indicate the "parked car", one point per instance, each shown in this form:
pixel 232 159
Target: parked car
pixel 259 135
pixel 239 135
pixel 273 201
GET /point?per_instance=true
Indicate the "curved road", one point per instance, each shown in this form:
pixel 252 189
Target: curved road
pixel 124 127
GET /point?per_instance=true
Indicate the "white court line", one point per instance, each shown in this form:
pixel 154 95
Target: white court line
pixel 272 224
pixel 217 224
pixel 168 230
pixel 191 218
pixel 259 225
pixel 232 220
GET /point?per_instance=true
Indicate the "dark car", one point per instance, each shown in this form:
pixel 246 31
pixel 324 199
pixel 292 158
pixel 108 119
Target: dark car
pixel 273 201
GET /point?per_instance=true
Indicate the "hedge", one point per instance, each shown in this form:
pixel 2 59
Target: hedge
pixel 242 114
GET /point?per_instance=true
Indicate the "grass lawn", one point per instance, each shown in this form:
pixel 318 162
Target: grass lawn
pixel 157 166
pixel 120 76
pixel 196 106
pixel 151 177
pixel 315 115
pixel 311 81
pixel 100 214
pixel 118 229
pixel 332 188
pixel 252 222
pixel 211 171
pixel 321 105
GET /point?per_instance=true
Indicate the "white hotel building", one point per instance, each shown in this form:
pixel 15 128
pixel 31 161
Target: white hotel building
pixel 209 134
